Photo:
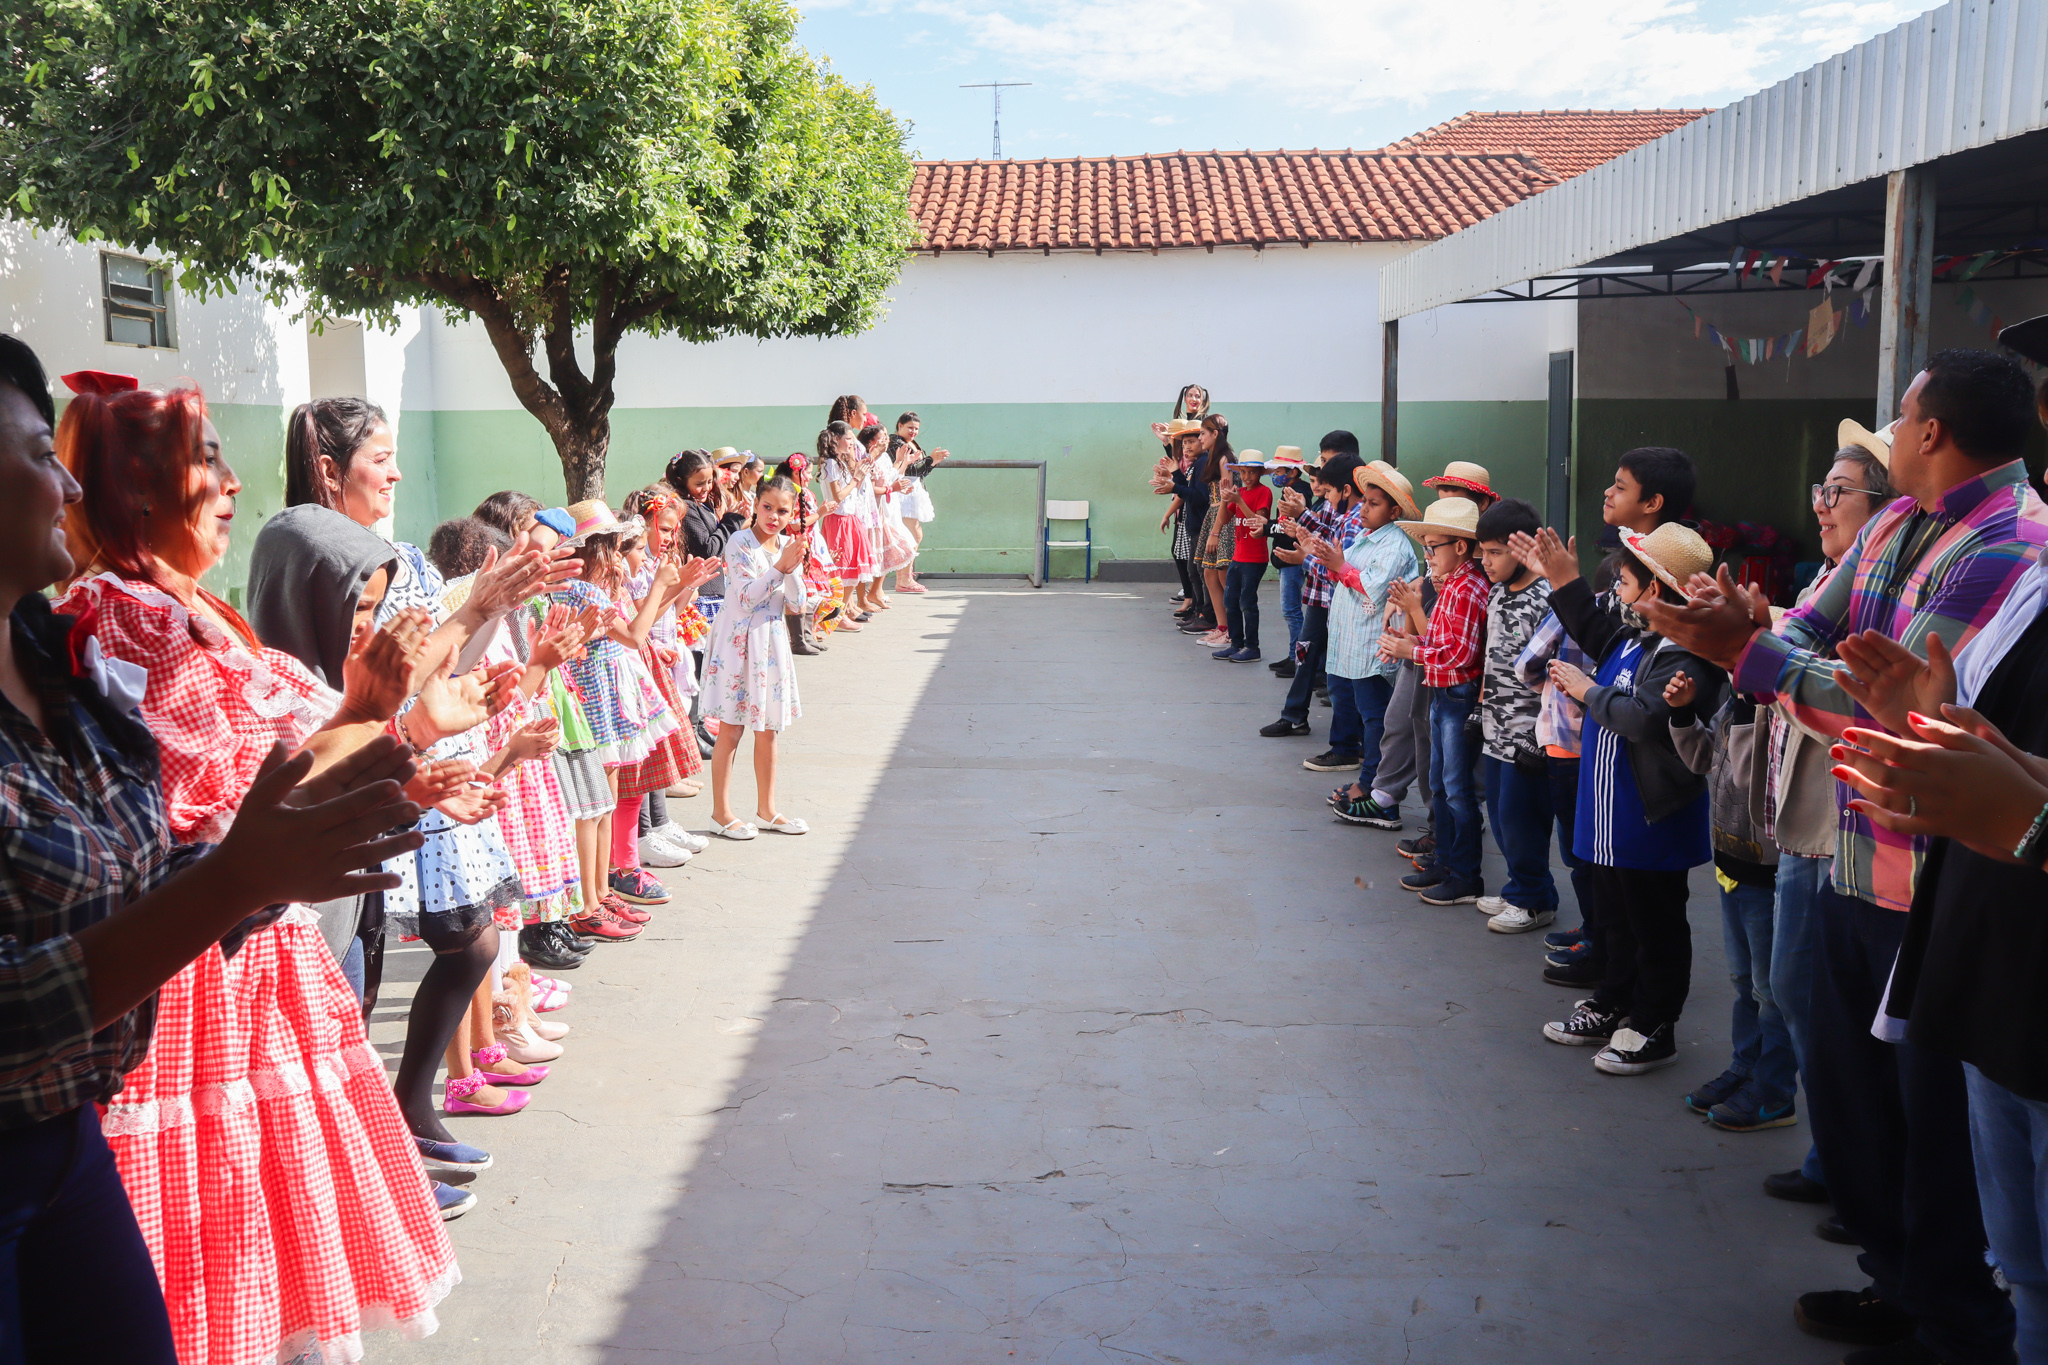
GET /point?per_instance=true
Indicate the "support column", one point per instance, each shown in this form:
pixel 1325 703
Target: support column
pixel 1908 286
pixel 1390 390
pixel 1557 477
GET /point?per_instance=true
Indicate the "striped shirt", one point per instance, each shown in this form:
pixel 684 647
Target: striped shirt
pixel 1560 721
pixel 1911 574
pixel 1358 614
pixel 77 842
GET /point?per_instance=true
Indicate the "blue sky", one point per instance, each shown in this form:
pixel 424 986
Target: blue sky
pixel 1129 76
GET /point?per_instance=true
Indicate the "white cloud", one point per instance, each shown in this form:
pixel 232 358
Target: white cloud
pixel 1340 55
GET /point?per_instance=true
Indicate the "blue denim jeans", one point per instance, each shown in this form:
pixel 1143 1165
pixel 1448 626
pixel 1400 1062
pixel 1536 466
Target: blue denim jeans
pixel 1762 1046
pixel 1358 715
pixel 76 1281
pixel 1453 758
pixel 1241 603
pixel 1519 805
pixel 2009 1139
pixel 1564 801
pixel 1800 880
pixel 1290 603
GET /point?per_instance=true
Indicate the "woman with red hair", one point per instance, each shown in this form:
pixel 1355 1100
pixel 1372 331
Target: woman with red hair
pixel 277 1186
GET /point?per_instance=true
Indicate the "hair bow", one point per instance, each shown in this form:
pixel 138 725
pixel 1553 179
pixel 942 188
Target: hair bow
pixel 100 382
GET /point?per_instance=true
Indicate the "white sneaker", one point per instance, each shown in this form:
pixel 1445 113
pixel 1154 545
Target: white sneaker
pixel 1516 920
pixel 682 853
pixel 1491 905
pixel 680 837
pixel 657 853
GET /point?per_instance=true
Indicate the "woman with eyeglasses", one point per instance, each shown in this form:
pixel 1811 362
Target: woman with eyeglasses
pixel 1856 486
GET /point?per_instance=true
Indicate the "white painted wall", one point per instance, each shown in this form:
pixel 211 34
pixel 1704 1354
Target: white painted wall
pixel 238 348
pixel 1282 325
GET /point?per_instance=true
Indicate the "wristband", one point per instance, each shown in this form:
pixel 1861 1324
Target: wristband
pixel 2032 849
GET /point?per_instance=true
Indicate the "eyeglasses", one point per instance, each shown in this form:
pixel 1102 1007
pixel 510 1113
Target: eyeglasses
pixel 1828 494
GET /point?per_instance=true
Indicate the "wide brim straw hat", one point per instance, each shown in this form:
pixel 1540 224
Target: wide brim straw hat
pixel 1674 552
pixel 1288 457
pixel 1248 459
pixel 2028 338
pixel 1181 426
pixel 728 455
pixel 1379 474
pixel 1879 443
pixel 1464 474
pixel 1445 517
pixel 594 518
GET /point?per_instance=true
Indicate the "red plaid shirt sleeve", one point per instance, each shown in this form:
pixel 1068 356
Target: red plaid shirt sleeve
pixel 1451 652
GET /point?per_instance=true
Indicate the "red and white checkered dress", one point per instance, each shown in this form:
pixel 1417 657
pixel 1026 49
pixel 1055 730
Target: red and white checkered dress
pixel 535 822
pixel 275 1182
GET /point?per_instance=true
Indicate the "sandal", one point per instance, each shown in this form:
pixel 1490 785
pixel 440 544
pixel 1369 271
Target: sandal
pixel 738 829
pixel 783 824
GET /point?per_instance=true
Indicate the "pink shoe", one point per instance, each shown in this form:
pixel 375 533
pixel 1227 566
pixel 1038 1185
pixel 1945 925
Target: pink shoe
pixel 456 1092
pixel 1216 638
pixel 912 587
pixel 495 1053
pixel 548 995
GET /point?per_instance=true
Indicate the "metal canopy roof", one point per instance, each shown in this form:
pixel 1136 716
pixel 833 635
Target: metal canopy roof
pixel 1799 167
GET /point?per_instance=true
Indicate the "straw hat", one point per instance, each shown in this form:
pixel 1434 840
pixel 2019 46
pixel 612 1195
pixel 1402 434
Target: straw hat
pixel 1181 426
pixel 1446 517
pixel 1879 443
pixel 1674 552
pixel 1248 459
pixel 1379 474
pixel 727 455
pixel 594 518
pixel 1288 457
pixel 1464 474
pixel 2028 338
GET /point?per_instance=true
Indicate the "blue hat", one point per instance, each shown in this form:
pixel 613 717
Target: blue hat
pixel 557 520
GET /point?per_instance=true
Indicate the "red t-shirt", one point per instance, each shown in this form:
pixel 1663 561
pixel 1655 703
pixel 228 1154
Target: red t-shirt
pixel 1251 548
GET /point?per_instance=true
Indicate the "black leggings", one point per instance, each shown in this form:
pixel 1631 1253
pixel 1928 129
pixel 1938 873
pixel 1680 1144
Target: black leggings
pixel 463 953
pixel 1646 942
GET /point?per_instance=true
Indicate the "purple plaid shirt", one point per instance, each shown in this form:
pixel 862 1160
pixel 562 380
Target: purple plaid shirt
pixel 1318 589
pixel 1911 574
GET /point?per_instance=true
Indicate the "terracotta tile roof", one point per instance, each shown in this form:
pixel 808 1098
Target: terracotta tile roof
pixel 1210 199
pixel 1568 142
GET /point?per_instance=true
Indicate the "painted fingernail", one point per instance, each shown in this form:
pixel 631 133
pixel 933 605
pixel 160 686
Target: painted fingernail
pixel 1918 719
pixel 1839 773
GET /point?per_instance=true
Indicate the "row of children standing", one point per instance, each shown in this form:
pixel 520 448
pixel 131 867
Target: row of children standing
pixel 1671 720
pixel 206 1161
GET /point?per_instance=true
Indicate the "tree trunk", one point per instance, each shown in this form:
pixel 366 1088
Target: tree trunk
pixel 582 452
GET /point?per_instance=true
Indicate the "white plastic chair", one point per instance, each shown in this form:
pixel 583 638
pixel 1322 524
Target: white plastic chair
pixel 1070 511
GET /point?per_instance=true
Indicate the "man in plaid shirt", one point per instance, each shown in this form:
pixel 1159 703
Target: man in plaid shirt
pixel 1334 518
pixel 1890 1120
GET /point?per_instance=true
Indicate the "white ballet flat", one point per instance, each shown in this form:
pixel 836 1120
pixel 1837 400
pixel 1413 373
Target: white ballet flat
pixel 738 829
pixel 783 824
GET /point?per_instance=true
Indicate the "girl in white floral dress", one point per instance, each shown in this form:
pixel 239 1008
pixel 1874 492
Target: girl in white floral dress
pixel 749 674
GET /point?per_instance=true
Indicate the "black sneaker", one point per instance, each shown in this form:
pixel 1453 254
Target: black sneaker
pixel 540 949
pixel 1746 1111
pixel 1448 893
pixel 1364 810
pixel 1859 1316
pixel 1589 1026
pixel 1198 626
pixel 1330 761
pixel 1577 975
pixel 1282 729
pixel 1421 879
pixel 1705 1097
pixel 1283 668
pixel 1421 846
pixel 1629 1053
pixel 1795 1186
pixel 1833 1229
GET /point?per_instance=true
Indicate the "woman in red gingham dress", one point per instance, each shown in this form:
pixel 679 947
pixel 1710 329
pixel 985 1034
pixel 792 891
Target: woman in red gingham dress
pixel 277 1187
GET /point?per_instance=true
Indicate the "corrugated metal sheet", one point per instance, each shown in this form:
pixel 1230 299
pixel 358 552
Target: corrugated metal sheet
pixel 1967 74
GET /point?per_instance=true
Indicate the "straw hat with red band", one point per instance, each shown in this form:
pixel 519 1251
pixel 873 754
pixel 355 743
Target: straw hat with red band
pixel 594 518
pixel 1446 517
pixel 100 382
pixel 1879 443
pixel 1674 552
pixel 1288 457
pixel 1473 478
pixel 1389 480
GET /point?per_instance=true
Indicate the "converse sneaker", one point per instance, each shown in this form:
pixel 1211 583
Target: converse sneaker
pixel 1516 920
pixel 1589 1025
pixel 1629 1053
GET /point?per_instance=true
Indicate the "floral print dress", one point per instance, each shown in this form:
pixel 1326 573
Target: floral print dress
pixel 749 673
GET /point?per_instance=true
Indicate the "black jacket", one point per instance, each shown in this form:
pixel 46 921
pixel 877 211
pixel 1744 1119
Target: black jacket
pixel 705 532
pixel 1639 714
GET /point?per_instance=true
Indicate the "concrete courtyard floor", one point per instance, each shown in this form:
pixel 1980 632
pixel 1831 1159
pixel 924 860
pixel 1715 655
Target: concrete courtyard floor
pixel 1076 1031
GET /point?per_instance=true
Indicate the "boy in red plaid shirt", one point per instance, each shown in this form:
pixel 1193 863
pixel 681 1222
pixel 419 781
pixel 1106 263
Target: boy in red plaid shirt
pixel 1449 644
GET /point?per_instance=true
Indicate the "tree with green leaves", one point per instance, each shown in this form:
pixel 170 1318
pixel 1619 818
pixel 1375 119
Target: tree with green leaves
pixel 566 171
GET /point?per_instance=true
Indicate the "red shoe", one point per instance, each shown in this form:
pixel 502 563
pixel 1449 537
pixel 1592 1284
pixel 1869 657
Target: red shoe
pixel 602 926
pixel 629 913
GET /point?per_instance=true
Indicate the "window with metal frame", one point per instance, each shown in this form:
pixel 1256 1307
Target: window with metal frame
pixel 135 295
